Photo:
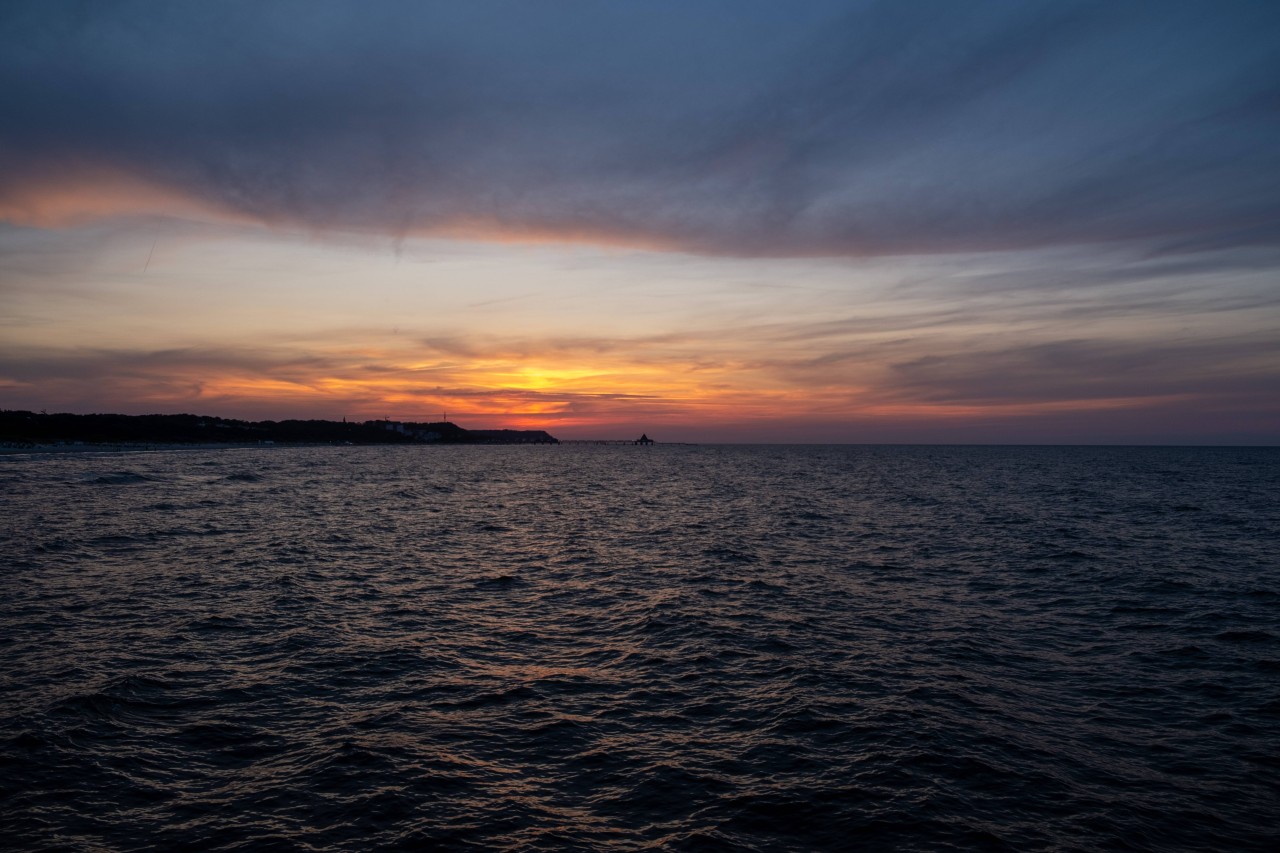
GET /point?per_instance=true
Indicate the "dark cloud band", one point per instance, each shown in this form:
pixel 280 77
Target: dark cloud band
pixel 731 128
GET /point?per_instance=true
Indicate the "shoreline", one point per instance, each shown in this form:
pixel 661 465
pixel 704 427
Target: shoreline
pixel 160 447
pixel 145 447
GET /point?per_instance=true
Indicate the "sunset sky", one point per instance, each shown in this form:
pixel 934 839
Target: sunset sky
pixel 708 221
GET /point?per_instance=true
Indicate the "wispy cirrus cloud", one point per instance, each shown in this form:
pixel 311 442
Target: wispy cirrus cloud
pixel 758 376
pixel 735 128
pixel 836 220
pixel 1083 369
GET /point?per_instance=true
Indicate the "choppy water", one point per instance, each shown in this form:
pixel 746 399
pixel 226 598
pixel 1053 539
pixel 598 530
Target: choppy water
pixel 671 647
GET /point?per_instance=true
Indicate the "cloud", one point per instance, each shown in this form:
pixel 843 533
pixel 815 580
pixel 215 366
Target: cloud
pixel 1242 369
pixel 736 128
pixel 518 379
pixel 761 376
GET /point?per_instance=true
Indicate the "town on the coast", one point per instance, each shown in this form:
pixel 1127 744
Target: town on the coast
pixel 25 429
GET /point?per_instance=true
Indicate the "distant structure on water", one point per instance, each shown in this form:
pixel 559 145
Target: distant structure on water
pixel 642 440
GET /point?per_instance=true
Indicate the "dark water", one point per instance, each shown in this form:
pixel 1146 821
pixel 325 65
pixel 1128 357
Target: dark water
pixel 675 648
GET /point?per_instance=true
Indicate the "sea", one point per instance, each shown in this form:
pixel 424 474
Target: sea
pixel 758 648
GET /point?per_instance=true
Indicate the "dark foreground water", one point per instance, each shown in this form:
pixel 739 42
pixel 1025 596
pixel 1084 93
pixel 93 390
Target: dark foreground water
pixel 670 648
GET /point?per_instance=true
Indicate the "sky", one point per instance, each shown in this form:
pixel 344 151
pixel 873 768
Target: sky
pixel 708 220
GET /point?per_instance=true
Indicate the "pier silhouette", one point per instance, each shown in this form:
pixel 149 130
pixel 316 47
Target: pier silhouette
pixel 643 440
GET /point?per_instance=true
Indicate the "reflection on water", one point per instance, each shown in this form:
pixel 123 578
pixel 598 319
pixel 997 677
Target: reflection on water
pixel 687 647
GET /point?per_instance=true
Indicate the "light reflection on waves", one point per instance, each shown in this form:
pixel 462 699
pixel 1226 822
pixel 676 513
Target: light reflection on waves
pixel 584 647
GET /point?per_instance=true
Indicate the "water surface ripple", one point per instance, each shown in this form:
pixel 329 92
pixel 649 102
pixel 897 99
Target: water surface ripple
pixel 559 648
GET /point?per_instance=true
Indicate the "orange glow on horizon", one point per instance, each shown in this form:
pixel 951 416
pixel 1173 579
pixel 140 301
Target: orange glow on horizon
pixel 575 345
pixel 97 193
pixel 551 394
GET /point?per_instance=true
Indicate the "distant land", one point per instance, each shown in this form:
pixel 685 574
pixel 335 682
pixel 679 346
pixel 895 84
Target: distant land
pixel 23 429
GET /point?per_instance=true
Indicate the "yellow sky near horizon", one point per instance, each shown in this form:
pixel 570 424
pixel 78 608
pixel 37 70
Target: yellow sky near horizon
pixel 157 315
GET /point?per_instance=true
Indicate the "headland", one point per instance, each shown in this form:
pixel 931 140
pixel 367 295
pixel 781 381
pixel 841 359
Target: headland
pixel 24 430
